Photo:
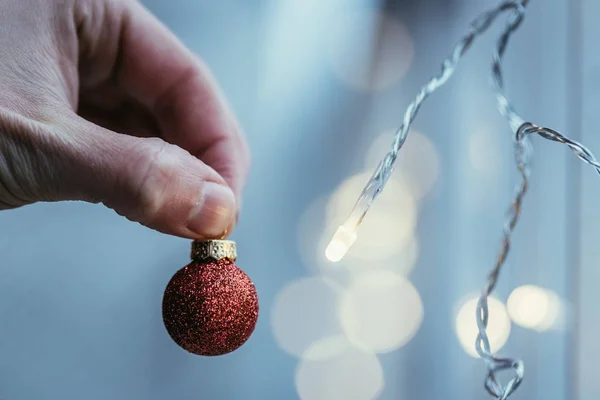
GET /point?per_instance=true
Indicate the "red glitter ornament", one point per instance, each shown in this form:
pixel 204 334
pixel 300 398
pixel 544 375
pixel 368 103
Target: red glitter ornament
pixel 210 307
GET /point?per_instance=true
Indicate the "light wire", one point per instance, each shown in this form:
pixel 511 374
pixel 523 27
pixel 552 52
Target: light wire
pixel 346 234
pixel 523 153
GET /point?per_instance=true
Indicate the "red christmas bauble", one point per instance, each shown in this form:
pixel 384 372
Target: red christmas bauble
pixel 210 307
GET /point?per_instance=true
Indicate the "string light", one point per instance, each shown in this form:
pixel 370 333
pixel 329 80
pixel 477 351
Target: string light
pixel 346 235
pixel 523 151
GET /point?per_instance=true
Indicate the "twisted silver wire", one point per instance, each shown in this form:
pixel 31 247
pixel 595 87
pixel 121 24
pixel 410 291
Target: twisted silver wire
pixel 478 26
pixel 381 175
pixel 523 155
pixel 523 152
pixel 578 149
pixel 385 168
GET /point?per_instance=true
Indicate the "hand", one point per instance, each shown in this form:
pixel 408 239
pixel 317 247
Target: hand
pixel 100 102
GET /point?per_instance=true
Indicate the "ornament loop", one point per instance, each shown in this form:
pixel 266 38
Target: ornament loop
pixel 214 249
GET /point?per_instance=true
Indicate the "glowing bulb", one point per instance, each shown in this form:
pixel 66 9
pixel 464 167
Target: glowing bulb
pixel 384 217
pixel 341 242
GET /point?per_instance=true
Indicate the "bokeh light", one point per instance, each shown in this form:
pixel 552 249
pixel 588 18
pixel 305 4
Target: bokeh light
pixel 335 369
pixel 498 329
pixel 402 262
pixel 418 161
pixel 381 311
pixel 369 50
pixel 389 225
pixel 305 311
pixel 533 307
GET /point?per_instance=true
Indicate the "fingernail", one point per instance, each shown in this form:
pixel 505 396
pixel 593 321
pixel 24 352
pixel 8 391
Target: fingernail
pixel 214 212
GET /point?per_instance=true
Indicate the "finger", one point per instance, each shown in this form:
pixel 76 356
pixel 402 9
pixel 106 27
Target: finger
pixel 157 70
pixel 125 117
pixel 148 180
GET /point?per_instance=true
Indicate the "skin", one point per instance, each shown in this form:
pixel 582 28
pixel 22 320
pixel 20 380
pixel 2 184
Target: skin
pixel 100 102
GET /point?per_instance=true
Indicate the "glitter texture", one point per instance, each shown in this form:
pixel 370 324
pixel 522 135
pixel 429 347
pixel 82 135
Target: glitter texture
pixel 210 308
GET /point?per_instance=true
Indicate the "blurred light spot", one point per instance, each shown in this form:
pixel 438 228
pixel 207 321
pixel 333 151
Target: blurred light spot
pixel 498 328
pixel 381 311
pixel 303 312
pixel 369 50
pixel 534 307
pixel 485 153
pixel 401 263
pixel 388 226
pixel 418 161
pixel 334 369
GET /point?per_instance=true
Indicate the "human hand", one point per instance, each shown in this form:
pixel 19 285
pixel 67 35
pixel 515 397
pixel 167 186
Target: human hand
pixel 100 102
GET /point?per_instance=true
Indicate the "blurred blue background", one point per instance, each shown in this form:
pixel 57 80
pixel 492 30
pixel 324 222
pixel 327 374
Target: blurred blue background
pixel 319 87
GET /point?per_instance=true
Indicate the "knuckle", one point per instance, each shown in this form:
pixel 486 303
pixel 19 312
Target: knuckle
pixel 30 157
pixel 155 177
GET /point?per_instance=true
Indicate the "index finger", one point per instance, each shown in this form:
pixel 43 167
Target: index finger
pixel 161 73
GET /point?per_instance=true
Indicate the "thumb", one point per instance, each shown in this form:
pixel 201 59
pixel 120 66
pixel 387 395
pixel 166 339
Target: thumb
pixel 150 181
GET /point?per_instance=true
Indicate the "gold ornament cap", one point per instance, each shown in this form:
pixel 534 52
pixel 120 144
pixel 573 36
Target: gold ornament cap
pixel 214 250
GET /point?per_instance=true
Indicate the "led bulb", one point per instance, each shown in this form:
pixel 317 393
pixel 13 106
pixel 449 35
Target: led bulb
pixel 341 242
